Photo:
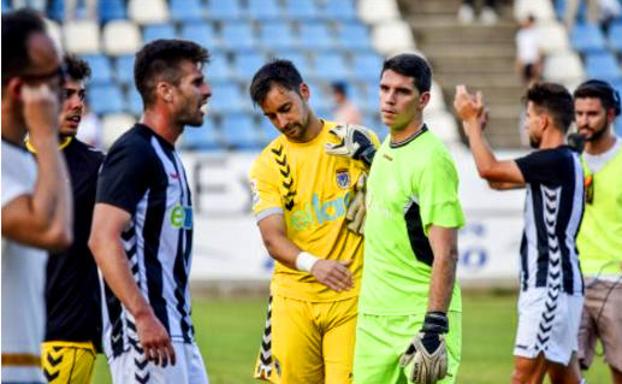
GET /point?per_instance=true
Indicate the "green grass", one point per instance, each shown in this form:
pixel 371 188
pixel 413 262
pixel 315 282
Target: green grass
pixel 229 330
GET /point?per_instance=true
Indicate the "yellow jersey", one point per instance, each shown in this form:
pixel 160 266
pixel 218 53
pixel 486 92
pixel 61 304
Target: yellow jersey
pixel 312 190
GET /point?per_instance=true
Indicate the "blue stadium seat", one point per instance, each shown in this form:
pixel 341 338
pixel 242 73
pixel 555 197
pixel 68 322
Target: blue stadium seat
pixel 101 70
pixel 239 132
pixel 587 38
pixel 615 37
pixel 201 32
pixel 267 131
pixel 6 6
pixel 340 10
pixel 158 31
pixel 56 10
pixel 186 10
pixel 299 60
pixel 331 66
pixel 301 9
pixel 354 36
pixel 367 66
pixel 223 10
pixel 603 66
pixel 226 98
pixel 316 36
pixel 238 36
pixel 205 137
pixel 246 65
pixel 111 10
pixel 218 69
pixel 105 99
pixel 371 96
pixel 125 69
pixel 263 9
pixel 134 103
pixel 276 36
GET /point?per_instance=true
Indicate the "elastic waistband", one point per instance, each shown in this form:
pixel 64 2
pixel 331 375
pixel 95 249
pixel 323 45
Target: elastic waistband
pixel 70 344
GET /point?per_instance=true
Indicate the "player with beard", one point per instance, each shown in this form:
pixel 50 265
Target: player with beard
pixel 142 225
pixel 551 286
pixel 597 105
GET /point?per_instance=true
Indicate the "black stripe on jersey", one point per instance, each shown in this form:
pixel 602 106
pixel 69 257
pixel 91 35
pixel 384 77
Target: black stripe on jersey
pixel 154 217
pixel 542 268
pixel 418 240
pixel 523 260
pixel 563 218
pixel 113 306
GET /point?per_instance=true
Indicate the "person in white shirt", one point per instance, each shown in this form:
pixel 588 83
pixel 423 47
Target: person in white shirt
pixel 528 58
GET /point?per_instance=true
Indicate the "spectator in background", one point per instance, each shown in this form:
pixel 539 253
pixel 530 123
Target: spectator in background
pixel 90 9
pixel 572 8
pixel 36 197
pixel 345 110
pixel 90 130
pixel 528 58
pixel 488 15
pixel 37 5
pixel 597 105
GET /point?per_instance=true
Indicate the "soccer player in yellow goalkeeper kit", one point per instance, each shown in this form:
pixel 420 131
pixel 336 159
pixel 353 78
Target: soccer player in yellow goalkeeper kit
pixel 302 195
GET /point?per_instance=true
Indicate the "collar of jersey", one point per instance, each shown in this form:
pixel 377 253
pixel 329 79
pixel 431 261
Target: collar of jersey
pixel 424 128
pixel 61 145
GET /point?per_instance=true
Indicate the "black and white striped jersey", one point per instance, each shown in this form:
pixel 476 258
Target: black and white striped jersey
pixel 143 175
pixel 553 211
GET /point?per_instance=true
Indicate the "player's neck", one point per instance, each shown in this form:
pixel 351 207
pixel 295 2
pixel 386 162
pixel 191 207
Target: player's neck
pixel 553 139
pixel 161 124
pixel 602 144
pixel 411 129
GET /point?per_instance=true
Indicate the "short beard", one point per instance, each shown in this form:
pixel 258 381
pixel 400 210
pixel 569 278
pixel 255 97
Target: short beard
pixel 598 134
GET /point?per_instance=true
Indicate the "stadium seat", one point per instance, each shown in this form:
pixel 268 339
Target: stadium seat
pixel 159 31
pixel 367 66
pixel 615 36
pixel 148 11
pixel 603 66
pixel 81 37
pixel 101 70
pixel 354 35
pixel 263 9
pixel 206 137
pixel 374 11
pixel 563 67
pixel 238 36
pixel 201 32
pixel 246 65
pixel 392 37
pixel 121 37
pixel 587 38
pixel 331 66
pixel 283 30
pixel 553 38
pixel 134 104
pixel 111 10
pixel 218 69
pixel 340 10
pixel 6 6
pixel 267 131
pixel 315 36
pixel 186 10
pixel 299 60
pixel 226 98
pixel 301 9
pixel 223 10
pixel 105 99
pixel 56 10
pixel 114 125
pixel 125 69
pixel 239 132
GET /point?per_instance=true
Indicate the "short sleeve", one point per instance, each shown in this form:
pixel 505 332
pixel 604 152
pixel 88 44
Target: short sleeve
pixel 18 174
pixel 266 197
pixel 123 178
pixel 544 167
pixel 438 194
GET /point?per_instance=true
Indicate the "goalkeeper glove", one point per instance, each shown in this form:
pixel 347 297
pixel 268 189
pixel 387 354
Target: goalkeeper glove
pixel 428 351
pixel 355 142
pixel 356 211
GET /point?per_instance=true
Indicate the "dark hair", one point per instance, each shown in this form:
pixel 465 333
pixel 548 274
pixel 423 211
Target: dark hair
pixel 609 97
pixel 17 27
pixel 411 65
pixel 280 72
pixel 556 100
pixel 160 59
pixel 76 68
pixel 340 87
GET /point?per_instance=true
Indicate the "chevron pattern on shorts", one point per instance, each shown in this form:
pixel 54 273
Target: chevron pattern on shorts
pixel 550 198
pixel 53 359
pixel 264 368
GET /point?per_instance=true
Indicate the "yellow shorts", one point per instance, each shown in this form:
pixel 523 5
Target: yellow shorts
pixel 308 342
pixel 67 362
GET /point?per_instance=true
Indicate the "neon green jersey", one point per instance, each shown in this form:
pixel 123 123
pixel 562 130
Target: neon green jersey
pixel 600 235
pixel 410 187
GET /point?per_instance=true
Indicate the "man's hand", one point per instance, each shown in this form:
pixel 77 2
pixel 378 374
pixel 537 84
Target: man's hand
pixel 41 110
pixel 357 210
pixel 355 142
pixel 428 351
pixel 154 339
pixel 333 274
pixel 470 108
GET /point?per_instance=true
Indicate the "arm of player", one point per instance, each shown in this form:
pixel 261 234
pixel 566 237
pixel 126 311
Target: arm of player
pixel 105 243
pixel 444 244
pixel 471 110
pixel 44 218
pixel 333 274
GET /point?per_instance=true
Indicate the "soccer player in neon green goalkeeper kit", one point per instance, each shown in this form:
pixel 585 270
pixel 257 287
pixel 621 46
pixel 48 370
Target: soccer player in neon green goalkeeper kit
pixel 409 322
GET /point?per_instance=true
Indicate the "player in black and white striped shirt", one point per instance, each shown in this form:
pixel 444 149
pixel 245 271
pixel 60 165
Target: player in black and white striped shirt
pixel 142 225
pixel 551 294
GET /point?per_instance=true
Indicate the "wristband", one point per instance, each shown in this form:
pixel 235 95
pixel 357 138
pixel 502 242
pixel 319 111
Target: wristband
pixel 305 261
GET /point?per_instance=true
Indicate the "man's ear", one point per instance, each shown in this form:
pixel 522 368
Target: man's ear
pixel 424 99
pixel 305 91
pixel 14 88
pixel 164 91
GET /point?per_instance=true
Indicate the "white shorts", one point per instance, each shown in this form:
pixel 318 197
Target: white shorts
pixel 548 322
pixel 132 367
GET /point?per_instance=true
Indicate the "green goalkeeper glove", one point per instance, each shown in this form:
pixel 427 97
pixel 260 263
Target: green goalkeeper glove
pixel 428 351
pixel 355 142
pixel 356 211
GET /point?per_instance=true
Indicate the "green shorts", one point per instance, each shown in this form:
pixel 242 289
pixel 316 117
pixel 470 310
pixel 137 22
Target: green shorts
pixel 381 340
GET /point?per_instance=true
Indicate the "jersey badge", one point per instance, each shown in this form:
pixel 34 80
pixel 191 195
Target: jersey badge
pixel 343 178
